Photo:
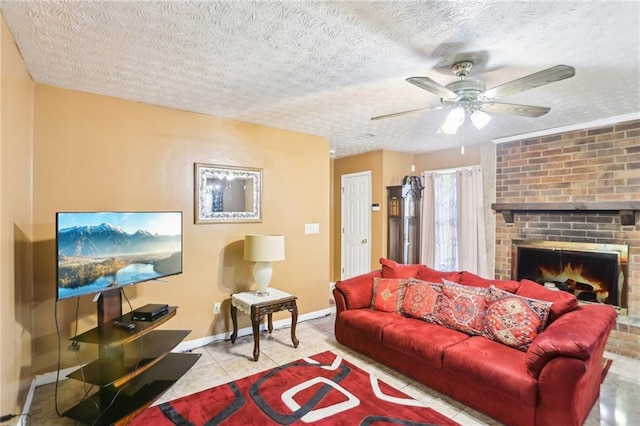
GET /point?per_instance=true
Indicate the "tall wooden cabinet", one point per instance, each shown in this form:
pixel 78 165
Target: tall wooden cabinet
pixel 132 369
pixel 403 215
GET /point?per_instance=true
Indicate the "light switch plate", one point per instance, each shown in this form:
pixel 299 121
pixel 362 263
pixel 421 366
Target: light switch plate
pixel 312 228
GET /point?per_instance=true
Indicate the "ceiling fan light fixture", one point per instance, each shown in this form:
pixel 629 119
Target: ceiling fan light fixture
pixel 480 119
pixel 453 122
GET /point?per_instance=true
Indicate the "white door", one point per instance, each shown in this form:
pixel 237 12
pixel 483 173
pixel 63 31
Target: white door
pixel 356 224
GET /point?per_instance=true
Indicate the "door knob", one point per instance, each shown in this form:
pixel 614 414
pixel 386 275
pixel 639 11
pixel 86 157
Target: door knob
pixel 363 241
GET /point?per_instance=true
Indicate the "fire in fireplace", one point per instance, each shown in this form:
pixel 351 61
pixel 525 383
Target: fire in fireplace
pixel 595 273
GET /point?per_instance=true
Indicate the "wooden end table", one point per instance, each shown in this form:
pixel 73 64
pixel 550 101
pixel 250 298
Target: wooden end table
pixel 257 306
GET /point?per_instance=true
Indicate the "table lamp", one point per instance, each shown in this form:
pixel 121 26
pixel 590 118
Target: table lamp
pixel 263 249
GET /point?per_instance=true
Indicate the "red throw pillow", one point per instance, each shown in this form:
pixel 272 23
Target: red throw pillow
pixel 391 269
pixel 433 275
pixel 463 308
pixel 388 294
pixel 514 320
pixel 563 301
pixel 421 300
pixel 467 278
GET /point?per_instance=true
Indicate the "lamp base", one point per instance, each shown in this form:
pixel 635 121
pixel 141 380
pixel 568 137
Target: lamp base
pixel 262 275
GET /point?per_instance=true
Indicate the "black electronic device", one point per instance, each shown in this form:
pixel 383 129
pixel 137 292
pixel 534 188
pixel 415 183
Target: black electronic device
pixel 97 251
pixel 150 312
pixel 129 326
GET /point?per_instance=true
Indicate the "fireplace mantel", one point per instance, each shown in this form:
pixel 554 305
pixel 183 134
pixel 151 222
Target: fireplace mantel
pixel 628 210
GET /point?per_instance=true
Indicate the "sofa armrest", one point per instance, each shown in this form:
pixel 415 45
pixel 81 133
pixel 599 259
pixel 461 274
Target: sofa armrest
pixel 575 334
pixel 356 291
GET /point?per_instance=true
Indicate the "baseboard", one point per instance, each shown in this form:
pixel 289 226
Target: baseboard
pixel 189 345
pixel 39 380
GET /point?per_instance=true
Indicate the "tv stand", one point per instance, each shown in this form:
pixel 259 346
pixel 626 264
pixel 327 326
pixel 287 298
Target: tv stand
pixel 133 367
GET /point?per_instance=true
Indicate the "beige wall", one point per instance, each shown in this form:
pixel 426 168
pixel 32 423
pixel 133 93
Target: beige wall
pixel 448 158
pixel 16 151
pixel 98 153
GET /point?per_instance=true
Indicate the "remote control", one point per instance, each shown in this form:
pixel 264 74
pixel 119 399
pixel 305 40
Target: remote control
pixel 129 326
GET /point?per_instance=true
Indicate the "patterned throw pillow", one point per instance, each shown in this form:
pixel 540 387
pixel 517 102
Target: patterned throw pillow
pixel 463 308
pixel 563 301
pixel 388 294
pixel 421 300
pixel 514 320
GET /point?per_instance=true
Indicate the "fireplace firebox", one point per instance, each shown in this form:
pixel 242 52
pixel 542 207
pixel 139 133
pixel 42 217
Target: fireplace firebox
pixel 594 273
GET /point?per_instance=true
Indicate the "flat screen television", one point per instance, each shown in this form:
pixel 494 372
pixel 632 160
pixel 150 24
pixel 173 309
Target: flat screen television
pixel 97 251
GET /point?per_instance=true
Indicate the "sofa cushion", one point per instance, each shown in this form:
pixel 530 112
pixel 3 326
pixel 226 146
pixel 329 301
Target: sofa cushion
pixel 392 269
pixel 421 300
pixel 563 302
pixel 357 290
pixel 503 369
pixel 421 340
pixel 388 294
pixel 368 322
pixel 433 275
pixel 463 307
pixel 468 278
pixel 514 320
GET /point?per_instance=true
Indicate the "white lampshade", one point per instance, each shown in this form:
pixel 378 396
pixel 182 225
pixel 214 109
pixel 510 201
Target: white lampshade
pixel 453 121
pixel 480 119
pixel 263 249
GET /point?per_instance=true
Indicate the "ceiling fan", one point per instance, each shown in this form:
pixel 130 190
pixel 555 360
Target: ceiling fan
pixel 470 97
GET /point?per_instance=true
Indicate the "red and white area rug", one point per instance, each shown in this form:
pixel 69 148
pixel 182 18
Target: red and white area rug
pixel 321 390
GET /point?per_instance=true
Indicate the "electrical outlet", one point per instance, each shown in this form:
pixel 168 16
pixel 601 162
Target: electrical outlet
pixel 216 308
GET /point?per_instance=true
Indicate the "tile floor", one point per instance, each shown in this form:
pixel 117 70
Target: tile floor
pixel 222 362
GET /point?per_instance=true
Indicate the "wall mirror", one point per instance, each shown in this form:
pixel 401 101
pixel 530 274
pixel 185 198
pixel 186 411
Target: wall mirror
pixel 227 194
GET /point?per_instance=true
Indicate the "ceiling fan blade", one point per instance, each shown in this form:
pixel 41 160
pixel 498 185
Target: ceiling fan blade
pixel 398 114
pixel 514 109
pixel 540 78
pixel 431 86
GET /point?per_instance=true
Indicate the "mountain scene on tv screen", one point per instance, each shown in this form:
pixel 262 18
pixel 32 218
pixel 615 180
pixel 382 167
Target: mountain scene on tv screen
pixel 106 255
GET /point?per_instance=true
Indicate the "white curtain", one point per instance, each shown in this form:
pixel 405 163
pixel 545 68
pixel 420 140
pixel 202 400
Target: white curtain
pixel 453 236
pixel 428 222
pixel 472 242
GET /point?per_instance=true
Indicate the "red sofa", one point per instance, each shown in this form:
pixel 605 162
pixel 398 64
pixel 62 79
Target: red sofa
pixel 556 381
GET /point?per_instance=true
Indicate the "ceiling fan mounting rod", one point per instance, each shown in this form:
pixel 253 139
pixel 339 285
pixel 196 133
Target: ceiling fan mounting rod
pixel 462 69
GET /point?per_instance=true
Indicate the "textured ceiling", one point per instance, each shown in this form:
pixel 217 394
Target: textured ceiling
pixel 326 67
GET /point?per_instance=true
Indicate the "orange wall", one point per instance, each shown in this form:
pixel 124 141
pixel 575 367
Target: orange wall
pixel 370 161
pixel 16 152
pixel 97 153
pixel 387 168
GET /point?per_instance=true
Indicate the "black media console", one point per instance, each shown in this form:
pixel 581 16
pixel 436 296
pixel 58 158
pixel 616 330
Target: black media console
pixel 134 366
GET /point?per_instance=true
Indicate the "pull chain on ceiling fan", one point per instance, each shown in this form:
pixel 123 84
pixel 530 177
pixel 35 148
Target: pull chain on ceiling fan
pixel 470 97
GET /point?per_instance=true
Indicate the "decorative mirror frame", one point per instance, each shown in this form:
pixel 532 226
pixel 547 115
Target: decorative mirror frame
pixel 205 214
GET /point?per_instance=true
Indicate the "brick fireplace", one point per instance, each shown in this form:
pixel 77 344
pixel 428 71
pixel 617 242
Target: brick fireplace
pixel 578 187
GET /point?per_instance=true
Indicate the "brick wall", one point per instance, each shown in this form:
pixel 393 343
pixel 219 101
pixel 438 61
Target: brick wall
pixel 599 164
